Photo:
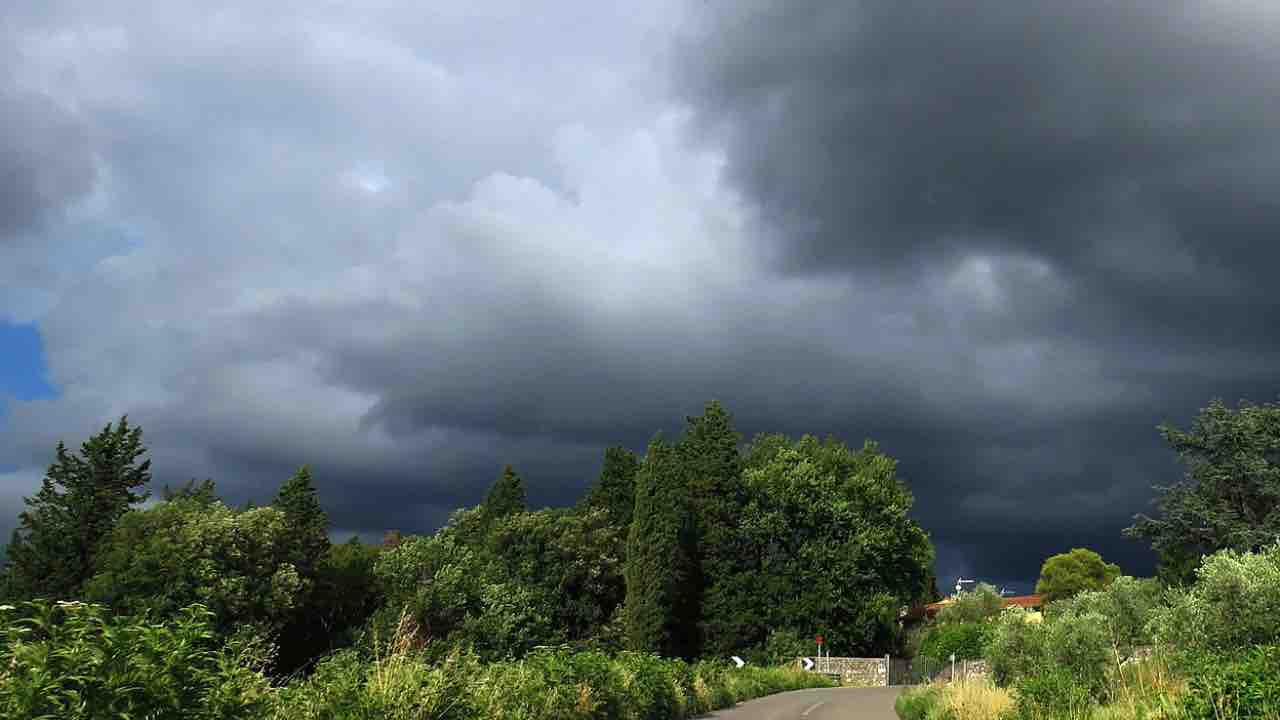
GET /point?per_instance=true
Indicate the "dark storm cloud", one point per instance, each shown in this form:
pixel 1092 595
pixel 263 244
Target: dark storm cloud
pixel 1129 147
pixel 1003 240
pixel 45 160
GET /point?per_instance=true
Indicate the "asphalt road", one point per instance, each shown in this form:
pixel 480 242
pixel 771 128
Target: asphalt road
pixel 818 704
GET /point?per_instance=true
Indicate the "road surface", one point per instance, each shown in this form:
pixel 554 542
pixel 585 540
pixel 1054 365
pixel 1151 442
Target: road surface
pixel 818 704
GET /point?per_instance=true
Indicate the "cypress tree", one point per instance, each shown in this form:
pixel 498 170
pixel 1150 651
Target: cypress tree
pixel 615 489
pixel 506 496
pixel 308 523
pixel 660 598
pixel 52 551
pixel 711 462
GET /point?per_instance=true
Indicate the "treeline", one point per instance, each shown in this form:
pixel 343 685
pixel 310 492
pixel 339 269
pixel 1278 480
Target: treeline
pixel 700 548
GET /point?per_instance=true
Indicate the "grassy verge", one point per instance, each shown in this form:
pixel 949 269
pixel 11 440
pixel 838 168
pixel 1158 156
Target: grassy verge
pixel 560 685
pixel 1244 686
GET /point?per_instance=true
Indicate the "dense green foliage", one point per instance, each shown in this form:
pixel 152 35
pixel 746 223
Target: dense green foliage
pixel 305 521
pixel 1070 573
pixel 615 489
pixel 54 548
pixel 828 543
pixel 975 606
pixel 73 661
pixel 916 703
pixel 1219 636
pixel 554 685
pixel 661 609
pixel 624 605
pixel 967 641
pixel 191 550
pixel 1233 685
pixel 1230 496
pixel 709 460
pixel 1234 603
pixel 506 496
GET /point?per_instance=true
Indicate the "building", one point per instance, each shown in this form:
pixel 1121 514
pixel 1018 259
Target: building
pixel 922 613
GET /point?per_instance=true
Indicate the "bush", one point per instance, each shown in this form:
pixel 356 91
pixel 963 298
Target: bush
pixel 968 641
pixel 1233 686
pixel 1078 644
pixel 1126 607
pixel 915 703
pixel 1016 648
pixel 1054 693
pixel 783 646
pixel 1233 604
pixel 553 683
pixel 982 603
pixel 73 661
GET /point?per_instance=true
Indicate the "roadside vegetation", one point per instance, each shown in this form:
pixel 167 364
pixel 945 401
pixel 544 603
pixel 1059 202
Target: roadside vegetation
pixel 629 604
pixel 1200 642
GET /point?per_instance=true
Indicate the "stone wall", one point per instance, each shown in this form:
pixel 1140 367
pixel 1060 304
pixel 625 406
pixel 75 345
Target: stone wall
pixel 854 672
pixel 973 669
pixel 865 672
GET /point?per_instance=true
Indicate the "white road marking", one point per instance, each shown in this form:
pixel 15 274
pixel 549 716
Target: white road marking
pixel 813 707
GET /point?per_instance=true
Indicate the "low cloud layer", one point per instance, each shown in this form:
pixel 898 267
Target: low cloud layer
pixel 1004 242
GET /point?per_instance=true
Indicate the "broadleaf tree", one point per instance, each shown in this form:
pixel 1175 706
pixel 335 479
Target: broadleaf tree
pixel 831 544
pixel 1068 574
pixel 1229 497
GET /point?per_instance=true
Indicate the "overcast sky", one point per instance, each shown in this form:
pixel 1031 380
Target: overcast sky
pixel 410 242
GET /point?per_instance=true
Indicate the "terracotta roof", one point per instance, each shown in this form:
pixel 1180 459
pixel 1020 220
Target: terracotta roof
pixel 1029 602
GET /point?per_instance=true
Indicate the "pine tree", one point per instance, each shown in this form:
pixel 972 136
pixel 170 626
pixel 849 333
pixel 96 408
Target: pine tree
pixel 506 496
pixel 710 459
pixel 52 551
pixel 307 521
pixel 661 602
pixel 615 489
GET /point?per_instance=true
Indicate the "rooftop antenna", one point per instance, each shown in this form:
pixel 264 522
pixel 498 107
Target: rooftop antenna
pixel 960 581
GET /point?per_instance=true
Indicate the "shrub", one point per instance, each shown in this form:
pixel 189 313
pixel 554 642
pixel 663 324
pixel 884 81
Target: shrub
pixel 1078 644
pixel 554 683
pixel 783 646
pixel 982 603
pixel 1233 685
pixel 72 661
pixel 967 641
pixel 1016 648
pixel 1126 606
pixel 1053 693
pixel 915 703
pixel 1233 604
pixel 972 700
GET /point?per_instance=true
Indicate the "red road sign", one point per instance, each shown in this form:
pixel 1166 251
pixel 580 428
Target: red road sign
pixel 819 639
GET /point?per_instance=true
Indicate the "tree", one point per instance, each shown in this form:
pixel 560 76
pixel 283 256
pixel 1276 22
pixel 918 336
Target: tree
pixel 238 563
pixel 708 454
pixel 975 606
pixel 53 550
pixel 570 562
pixel 1229 497
pixel 343 597
pixel 660 609
pixel 615 489
pixel 1068 574
pixel 506 496
pixel 830 543
pixel 307 522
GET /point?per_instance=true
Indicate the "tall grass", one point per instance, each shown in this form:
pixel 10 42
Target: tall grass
pixel 400 683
